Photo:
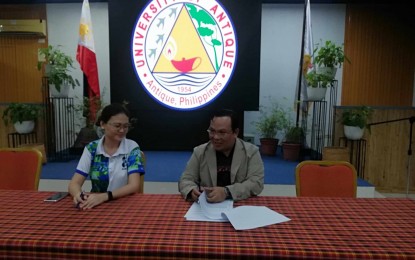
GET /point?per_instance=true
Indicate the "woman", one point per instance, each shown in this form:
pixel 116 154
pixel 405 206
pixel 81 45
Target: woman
pixel 113 163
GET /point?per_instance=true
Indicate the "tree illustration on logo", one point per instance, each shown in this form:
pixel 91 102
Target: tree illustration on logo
pixel 207 34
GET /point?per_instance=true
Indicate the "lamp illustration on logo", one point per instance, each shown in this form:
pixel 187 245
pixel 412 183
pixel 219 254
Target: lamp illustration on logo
pixel 186 65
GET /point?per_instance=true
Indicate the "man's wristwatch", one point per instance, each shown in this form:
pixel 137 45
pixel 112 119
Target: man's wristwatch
pixel 228 193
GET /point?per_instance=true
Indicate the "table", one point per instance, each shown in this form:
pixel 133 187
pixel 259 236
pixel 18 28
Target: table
pixel 152 226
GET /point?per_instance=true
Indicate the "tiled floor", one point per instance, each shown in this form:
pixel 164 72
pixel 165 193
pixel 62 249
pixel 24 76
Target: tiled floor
pixel 171 188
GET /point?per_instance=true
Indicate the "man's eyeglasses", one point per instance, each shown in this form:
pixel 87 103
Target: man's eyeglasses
pixel 221 133
pixel 119 126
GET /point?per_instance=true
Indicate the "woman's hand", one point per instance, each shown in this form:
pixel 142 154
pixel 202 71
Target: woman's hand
pixel 79 198
pixel 93 200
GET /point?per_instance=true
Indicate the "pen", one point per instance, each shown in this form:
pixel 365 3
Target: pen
pixel 82 197
pixel 200 191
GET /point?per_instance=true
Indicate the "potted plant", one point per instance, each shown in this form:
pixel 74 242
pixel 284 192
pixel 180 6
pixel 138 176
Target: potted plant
pixel 23 116
pixel 294 138
pixel 89 131
pixel 329 57
pixel 271 120
pixel 57 66
pixel 84 109
pixel 355 120
pixel 317 84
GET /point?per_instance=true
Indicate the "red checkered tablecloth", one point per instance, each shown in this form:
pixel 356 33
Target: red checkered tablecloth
pixel 153 226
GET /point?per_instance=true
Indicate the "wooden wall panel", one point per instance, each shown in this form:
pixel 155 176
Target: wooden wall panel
pixel 380 45
pixel 20 81
pixel 7 72
pixel 387 149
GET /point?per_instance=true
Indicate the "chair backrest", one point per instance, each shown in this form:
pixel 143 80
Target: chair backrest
pixel 141 188
pixel 325 179
pixel 20 168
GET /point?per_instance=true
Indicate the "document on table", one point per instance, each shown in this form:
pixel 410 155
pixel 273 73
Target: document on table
pixel 249 217
pixel 205 211
pixel 241 218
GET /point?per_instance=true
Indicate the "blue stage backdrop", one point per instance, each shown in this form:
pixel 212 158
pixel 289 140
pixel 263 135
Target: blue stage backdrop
pixel 168 166
pixel 176 62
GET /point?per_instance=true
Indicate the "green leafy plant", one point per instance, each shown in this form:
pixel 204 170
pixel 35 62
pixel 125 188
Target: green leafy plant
pixel 57 67
pixel 318 80
pixel 329 55
pixel 84 110
pixel 294 134
pixel 19 112
pixel 271 120
pixel 357 116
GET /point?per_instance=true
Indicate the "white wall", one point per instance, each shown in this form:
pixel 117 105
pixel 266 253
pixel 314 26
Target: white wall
pixel 281 49
pixel 63 29
pixel 280 45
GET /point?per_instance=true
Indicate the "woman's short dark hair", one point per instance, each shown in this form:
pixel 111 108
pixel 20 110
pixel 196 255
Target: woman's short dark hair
pixel 110 111
pixel 230 113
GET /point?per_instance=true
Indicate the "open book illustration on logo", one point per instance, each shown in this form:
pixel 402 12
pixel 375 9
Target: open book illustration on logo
pixel 241 218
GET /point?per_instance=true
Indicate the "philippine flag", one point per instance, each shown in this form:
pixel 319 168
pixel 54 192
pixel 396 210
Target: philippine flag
pixel 85 54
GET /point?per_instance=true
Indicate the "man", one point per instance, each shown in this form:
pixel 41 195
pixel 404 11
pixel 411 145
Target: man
pixel 226 167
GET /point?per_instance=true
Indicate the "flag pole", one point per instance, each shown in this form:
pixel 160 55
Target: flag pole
pixel 301 65
pixel 86 56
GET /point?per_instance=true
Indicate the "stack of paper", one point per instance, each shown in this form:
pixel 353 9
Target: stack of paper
pixel 241 218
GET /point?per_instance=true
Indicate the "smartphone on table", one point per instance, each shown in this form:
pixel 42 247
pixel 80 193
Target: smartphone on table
pixel 56 197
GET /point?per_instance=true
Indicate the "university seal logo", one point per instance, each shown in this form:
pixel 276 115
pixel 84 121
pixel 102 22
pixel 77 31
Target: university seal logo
pixel 184 52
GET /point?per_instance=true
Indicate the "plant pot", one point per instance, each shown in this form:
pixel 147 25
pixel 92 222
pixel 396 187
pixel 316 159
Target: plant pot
pixel 64 92
pixel 316 94
pixel 353 132
pixel 291 151
pixel 329 71
pixel 268 146
pixel 85 136
pixel 24 127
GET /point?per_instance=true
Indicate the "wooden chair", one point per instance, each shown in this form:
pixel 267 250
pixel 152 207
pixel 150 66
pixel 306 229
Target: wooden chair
pixel 141 188
pixel 20 168
pixel 325 179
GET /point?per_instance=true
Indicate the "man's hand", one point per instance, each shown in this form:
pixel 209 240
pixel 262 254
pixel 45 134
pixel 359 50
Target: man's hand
pixel 215 194
pixel 195 194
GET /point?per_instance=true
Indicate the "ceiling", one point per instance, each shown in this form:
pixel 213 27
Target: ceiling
pixel 394 2
pixel 401 7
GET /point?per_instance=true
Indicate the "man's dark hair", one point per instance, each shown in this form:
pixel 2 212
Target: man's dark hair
pixel 229 113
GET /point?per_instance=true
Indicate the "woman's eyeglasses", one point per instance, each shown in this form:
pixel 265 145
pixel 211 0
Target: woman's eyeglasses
pixel 119 126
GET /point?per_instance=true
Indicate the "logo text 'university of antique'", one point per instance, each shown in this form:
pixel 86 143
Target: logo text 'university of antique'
pixel 184 52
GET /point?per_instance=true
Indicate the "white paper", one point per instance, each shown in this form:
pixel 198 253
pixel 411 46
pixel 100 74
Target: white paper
pixel 241 218
pixel 195 214
pixel 206 211
pixel 249 217
pixel 214 210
